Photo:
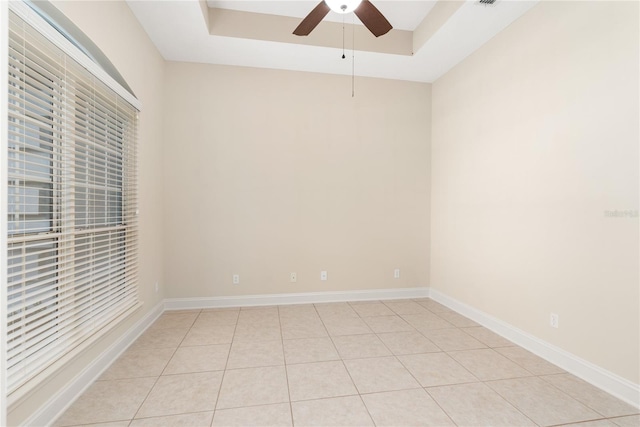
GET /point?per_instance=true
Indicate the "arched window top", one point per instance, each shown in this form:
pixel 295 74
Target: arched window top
pixel 74 35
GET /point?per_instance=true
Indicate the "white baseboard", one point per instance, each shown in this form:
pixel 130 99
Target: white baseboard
pixel 599 377
pixel 301 298
pixel 60 402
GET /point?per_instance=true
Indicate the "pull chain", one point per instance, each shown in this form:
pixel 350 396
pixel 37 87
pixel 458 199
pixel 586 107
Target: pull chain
pixel 353 55
pixel 343 37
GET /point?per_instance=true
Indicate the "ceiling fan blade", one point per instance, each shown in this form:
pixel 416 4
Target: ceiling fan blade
pixel 312 20
pixel 372 18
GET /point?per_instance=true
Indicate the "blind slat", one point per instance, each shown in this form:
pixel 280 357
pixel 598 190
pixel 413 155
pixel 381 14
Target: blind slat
pixel 72 173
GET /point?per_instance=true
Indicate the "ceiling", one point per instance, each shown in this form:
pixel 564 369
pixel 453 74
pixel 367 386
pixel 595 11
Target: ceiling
pixel 428 39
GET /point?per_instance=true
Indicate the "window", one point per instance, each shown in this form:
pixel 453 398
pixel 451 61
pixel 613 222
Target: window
pixel 72 200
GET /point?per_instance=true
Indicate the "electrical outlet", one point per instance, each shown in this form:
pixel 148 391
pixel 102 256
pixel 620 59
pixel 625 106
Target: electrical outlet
pixel 323 275
pixel 156 287
pixel 293 277
pixel 554 320
pixel 236 279
pixel 396 273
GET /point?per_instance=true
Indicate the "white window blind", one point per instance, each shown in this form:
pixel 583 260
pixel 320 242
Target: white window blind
pixel 72 200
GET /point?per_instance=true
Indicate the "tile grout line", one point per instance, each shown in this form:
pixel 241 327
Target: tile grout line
pixel 488 384
pixel 355 386
pixel 463 367
pixel 574 398
pixel 163 369
pixel 391 352
pixel 416 379
pixel 224 373
pixel 479 381
pixel 286 371
pixel 449 353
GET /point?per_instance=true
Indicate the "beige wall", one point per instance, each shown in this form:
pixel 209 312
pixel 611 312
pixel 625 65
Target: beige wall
pixel 262 172
pixel 112 26
pixel 269 172
pixel 534 137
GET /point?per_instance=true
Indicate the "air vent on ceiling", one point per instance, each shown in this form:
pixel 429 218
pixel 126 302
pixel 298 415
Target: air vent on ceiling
pixel 486 1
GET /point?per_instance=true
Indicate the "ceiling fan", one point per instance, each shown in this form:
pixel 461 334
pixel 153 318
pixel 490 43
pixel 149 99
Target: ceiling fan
pixel 364 10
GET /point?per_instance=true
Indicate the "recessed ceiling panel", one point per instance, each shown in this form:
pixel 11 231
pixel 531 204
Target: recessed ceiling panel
pixel 402 14
pixel 180 31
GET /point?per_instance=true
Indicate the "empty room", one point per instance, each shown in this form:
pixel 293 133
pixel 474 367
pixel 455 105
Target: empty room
pixel 320 213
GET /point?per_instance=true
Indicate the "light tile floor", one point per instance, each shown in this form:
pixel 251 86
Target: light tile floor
pixel 382 363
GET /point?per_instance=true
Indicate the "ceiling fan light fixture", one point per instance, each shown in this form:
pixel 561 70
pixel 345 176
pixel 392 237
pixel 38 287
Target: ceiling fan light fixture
pixel 366 12
pixel 343 6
